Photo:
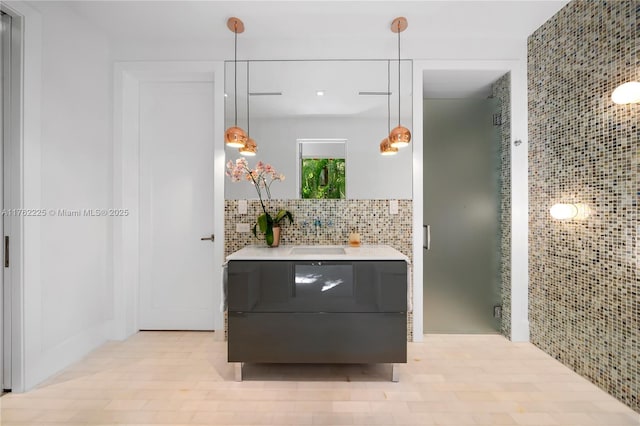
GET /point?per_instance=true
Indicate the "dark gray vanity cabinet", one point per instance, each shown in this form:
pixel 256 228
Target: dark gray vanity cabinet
pixel 317 312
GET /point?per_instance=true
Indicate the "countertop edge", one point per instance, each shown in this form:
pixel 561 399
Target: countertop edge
pixel 365 252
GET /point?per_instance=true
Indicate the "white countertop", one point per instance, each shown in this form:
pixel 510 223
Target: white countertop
pixel 284 252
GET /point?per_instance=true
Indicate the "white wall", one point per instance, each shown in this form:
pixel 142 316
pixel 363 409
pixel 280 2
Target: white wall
pixel 257 48
pixel 68 289
pixel 369 174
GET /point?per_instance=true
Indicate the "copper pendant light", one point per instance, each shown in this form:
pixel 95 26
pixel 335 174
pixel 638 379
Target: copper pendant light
pixel 386 148
pixel 249 149
pixel 234 136
pixel 400 136
pixel 385 145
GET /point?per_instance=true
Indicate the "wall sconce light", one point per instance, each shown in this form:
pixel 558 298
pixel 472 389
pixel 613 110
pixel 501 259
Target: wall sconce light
pixel 627 93
pixel 570 211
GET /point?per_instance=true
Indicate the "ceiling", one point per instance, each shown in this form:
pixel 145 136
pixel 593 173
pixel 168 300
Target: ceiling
pixel 205 20
pixel 290 88
pixel 184 30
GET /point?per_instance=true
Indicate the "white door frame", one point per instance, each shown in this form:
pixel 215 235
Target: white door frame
pixel 519 186
pixel 126 168
pixel 5 288
pixel 21 148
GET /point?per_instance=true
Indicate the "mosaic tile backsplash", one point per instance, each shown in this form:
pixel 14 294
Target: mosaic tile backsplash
pixel 501 90
pixel 584 287
pixel 329 222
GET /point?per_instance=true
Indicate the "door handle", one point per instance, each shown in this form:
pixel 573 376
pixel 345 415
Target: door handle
pixel 209 238
pixel 426 237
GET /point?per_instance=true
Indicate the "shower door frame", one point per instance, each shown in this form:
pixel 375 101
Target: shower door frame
pixel 519 185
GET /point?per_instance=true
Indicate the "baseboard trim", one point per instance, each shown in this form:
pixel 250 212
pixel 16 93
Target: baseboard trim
pixel 44 364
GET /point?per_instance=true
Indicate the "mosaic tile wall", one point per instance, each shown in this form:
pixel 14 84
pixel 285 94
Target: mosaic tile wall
pixel 584 287
pixel 501 91
pixel 370 218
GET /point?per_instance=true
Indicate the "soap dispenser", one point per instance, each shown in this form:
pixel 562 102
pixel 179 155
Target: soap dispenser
pixel 354 238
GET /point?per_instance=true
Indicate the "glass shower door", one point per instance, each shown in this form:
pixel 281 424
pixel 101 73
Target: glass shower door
pixel 461 255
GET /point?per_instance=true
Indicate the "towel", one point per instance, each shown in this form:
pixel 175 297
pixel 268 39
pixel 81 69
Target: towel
pixel 223 289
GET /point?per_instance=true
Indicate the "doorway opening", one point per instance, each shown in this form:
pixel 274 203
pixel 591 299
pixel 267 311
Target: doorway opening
pixel 10 54
pixel 466 214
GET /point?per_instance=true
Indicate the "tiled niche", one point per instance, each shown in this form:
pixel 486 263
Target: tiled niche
pixel 329 222
pixel 584 288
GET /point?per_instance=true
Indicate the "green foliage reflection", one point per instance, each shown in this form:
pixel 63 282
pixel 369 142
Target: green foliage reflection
pixel 323 178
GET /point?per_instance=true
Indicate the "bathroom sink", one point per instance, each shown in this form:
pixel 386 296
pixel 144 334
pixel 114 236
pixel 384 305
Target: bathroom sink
pixel 317 250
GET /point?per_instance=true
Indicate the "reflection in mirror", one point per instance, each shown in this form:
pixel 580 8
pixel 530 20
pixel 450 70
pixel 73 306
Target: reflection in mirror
pixel 322 168
pixel 327 100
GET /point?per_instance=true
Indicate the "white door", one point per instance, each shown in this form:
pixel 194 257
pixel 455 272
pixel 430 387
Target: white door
pixel 176 205
pixel 5 287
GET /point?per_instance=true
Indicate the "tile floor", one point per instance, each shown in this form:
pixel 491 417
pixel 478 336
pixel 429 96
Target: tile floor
pixel 183 378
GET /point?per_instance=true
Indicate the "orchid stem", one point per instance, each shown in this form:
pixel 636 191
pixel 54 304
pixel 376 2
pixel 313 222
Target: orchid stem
pixel 257 189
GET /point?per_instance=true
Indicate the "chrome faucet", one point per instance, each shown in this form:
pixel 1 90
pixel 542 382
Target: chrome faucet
pixel 317 224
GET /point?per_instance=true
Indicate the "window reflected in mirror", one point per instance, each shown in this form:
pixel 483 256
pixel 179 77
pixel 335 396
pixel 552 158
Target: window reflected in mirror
pixel 323 178
pixel 322 169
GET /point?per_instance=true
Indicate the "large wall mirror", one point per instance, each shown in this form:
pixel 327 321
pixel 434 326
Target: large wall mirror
pixel 290 102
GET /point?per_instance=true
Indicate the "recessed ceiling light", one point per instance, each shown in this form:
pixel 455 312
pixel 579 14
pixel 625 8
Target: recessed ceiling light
pixel 226 95
pixel 320 93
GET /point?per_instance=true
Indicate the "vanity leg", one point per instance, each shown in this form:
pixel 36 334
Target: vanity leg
pixel 394 374
pixel 238 371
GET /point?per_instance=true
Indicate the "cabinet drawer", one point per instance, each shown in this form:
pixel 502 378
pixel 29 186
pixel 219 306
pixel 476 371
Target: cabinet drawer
pixel 317 337
pixel 323 286
pixel 253 285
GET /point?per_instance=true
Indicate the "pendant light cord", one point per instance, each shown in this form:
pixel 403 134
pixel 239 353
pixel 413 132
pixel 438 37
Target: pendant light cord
pixel 248 122
pixel 398 73
pixel 389 97
pixel 235 73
